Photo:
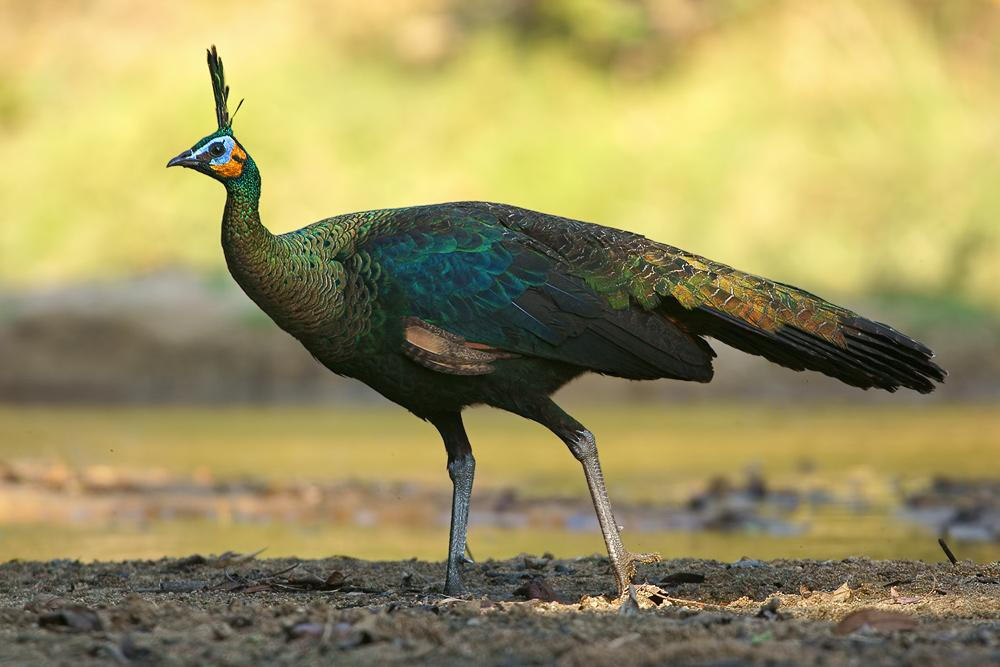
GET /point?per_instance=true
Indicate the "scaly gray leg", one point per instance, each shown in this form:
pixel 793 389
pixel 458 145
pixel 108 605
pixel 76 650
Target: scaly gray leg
pixel 583 446
pixel 462 470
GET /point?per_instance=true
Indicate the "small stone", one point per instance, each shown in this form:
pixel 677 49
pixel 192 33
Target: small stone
pixel 222 630
pixel 74 618
pixel 769 610
pixel 536 589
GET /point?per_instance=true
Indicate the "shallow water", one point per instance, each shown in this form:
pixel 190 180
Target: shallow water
pixel 849 467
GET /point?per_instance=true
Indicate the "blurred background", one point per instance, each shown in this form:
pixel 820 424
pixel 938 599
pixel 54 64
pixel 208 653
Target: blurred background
pixel 148 409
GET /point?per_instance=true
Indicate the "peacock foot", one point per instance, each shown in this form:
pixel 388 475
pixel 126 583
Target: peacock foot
pixel 625 569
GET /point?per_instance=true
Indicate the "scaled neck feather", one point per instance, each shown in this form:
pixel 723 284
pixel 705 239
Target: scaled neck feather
pixel 248 246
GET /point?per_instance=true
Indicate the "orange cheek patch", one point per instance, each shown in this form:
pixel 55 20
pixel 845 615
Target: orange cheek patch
pixel 231 169
pixel 234 167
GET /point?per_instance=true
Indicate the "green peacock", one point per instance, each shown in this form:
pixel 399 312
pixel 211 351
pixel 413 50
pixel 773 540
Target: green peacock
pixel 471 303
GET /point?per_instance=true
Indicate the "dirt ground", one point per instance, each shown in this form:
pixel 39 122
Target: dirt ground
pixel 236 610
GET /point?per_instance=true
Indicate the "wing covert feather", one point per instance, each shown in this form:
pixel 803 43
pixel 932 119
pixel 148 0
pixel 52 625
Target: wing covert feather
pixel 460 270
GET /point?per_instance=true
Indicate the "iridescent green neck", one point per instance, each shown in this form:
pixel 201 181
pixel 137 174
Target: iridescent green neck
pixel 246 242
pixel 242 198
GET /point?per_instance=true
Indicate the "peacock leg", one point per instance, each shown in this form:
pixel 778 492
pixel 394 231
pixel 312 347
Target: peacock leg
pixel 462 470
pixel 582 444
pixel 584 448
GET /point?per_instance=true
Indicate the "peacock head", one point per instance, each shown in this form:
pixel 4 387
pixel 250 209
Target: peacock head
pixel 218 155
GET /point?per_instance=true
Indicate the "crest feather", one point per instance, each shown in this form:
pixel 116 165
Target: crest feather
pixel 220 89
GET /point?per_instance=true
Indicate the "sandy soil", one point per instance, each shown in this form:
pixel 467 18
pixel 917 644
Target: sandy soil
pixel 234 610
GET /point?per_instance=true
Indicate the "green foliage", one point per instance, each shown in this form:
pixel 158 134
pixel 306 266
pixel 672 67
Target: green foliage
pixel 842 145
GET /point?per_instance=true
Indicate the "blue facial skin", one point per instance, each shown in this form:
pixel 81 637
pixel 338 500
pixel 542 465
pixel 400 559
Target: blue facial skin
pixel 211 154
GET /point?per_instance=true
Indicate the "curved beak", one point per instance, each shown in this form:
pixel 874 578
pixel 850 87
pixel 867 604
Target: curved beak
pixel 185 159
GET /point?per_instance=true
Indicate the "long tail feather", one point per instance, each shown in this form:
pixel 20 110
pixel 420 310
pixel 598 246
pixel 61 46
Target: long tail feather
pixel 780 322
pixel 872 354
pixel 788 325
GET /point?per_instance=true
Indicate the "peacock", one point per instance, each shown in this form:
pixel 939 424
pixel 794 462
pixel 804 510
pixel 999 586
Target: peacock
pixel 446 306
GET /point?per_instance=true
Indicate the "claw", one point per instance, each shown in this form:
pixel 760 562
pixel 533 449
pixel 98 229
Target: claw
pixel 626 573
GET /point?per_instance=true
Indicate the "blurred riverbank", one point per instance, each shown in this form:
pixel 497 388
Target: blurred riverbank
pixel 180 337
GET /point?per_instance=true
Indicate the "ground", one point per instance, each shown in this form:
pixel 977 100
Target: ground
pixel 237 610
pixel 703 480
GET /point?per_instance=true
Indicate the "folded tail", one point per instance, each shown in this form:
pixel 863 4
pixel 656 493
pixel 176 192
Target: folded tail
pixel 801 331
pixel 779 322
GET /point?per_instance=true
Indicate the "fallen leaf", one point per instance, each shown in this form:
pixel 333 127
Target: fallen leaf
pixel 231 558
pixel 877 619
pixel 842 594
pixel 901 599
pixel 307 581
pixel 255 588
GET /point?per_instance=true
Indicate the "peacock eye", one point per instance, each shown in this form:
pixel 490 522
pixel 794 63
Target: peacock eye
pixel 216 150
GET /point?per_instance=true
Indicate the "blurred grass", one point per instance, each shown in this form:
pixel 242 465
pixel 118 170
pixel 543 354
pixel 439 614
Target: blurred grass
pixel 649 453
pixel 844 145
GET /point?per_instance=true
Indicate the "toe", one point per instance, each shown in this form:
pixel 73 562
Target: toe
pixel 648 558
